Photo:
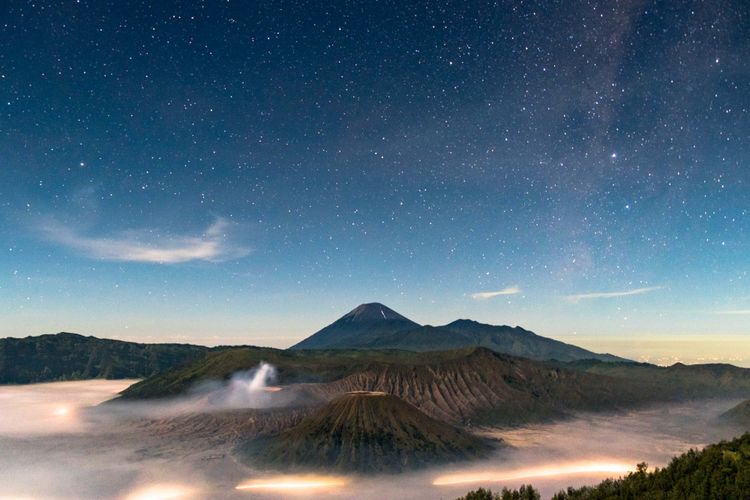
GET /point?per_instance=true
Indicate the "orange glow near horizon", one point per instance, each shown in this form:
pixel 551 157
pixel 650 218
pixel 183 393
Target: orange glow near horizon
pixel 162 492
pixel 570 469
pixel 61 411
pixel 293 483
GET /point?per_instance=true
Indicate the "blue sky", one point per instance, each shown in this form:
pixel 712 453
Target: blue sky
pixel 247 174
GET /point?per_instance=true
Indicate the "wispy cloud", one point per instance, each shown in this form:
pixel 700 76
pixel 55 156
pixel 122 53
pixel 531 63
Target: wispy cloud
pixel 611 295
pixel 148 246
pixel 512 290
pixel 735 312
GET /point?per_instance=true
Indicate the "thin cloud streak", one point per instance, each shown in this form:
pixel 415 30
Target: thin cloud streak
pixel 143 246
pixel 512 290
pixel 611 295
pixel 736 312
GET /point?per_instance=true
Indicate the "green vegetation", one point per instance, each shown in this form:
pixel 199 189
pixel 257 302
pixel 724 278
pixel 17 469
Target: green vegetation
pixel 678 381
pixel 523 493
pixel 485 387
pixel 718 472
pixel 721 471
pixel 739 416
pixel 464 386
pixel 365 432
pixel 292 367
pixel 68 356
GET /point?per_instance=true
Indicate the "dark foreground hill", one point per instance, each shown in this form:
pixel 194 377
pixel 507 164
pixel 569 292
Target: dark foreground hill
pixel 375 326
pixel 68 356
pixel 721 471
pixel 366 432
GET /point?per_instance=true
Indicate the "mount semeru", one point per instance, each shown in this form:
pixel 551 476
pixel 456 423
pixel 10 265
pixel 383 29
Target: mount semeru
pixel 375 326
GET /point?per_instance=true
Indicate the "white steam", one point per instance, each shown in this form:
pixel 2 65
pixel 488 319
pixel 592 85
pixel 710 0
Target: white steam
pixel 249 389
pixel 56 444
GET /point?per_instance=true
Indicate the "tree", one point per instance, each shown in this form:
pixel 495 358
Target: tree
pixel 525 492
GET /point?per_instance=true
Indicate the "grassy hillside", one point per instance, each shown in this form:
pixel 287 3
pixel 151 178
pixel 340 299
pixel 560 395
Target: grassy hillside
pixel 292 367
pixel 68 356
pixel 739 416
pixel 720 471
pixel 366 432
pixel 467 385
pixel 683 381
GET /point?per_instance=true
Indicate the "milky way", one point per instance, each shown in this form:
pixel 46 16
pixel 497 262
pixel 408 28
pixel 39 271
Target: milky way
pixel 233 172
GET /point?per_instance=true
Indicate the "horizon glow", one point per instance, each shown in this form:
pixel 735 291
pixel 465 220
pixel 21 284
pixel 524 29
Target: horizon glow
pixel 242 175
pixel 294 483
pixel 583 467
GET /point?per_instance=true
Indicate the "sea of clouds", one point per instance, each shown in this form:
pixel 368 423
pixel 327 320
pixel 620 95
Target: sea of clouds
pixel 55 443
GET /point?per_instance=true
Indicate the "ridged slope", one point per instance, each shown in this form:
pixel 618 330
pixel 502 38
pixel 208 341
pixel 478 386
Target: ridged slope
pixel 368 432
pixel 484 386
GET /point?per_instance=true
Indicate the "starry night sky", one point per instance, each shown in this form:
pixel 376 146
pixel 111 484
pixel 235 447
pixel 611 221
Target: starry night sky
pixel 228 172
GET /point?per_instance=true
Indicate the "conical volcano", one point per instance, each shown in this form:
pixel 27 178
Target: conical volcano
pixel 373 311
pixel 360 326
pixel 367 432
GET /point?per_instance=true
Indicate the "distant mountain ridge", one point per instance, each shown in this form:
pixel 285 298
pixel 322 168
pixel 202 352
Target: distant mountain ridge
pixel 375 326
pixel 69 356
pixel 684 381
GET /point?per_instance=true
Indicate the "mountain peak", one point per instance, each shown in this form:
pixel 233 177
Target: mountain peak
pixel 357 328
pixel 373 311
pixel 462 322
pixel 470 323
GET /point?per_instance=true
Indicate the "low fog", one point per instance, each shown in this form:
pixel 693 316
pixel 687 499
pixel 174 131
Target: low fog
pixel 55 443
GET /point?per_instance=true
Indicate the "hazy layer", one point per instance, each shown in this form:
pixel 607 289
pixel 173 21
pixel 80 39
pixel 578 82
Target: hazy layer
pixel 667 349
pixel 52 408
pixel 52 454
